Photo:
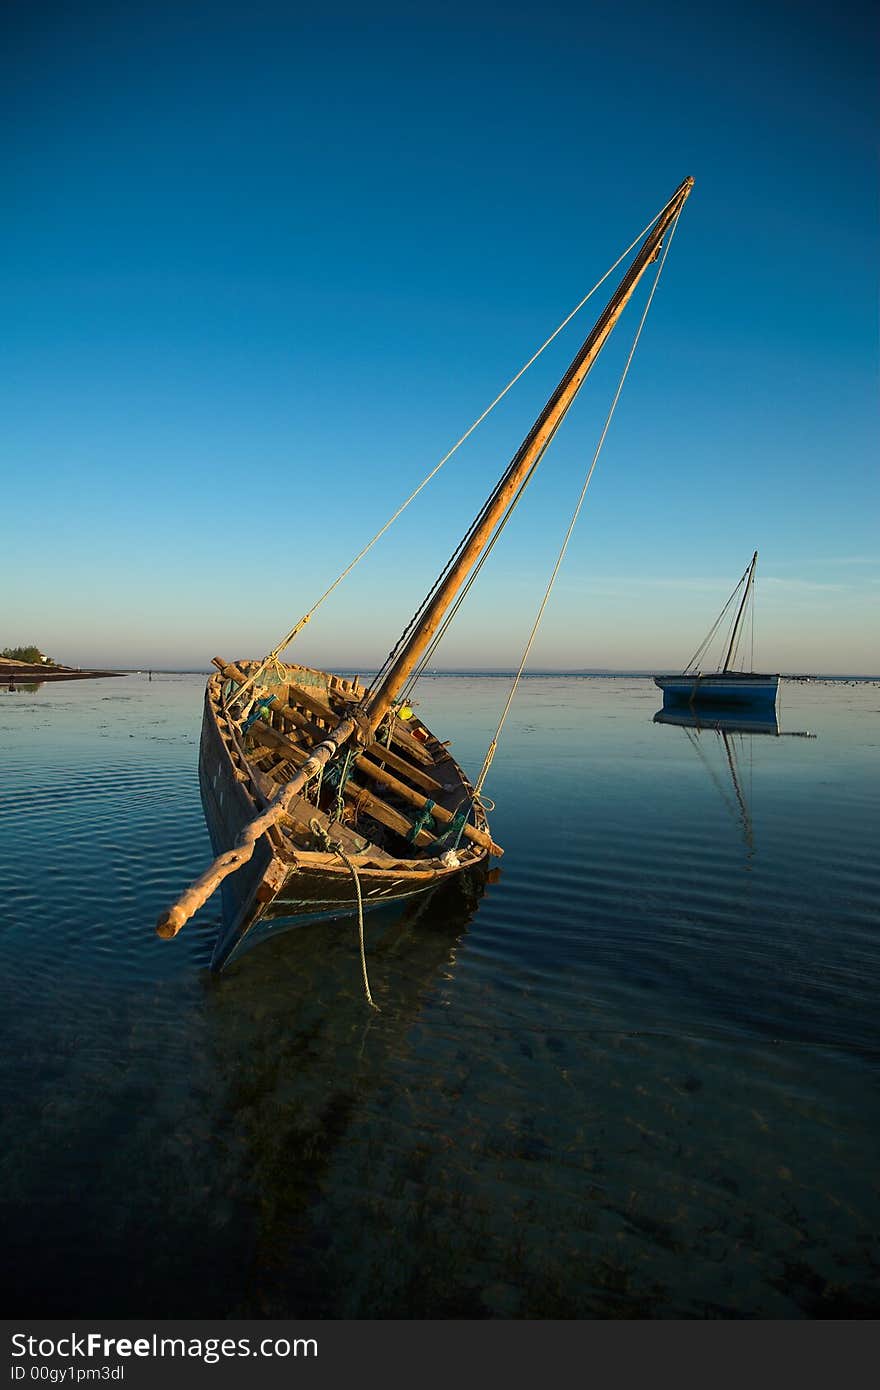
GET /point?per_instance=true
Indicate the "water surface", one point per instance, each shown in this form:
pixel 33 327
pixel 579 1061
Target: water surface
pixel 636 1077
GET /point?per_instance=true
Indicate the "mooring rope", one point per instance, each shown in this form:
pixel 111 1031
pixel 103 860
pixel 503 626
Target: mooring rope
pixel 321 834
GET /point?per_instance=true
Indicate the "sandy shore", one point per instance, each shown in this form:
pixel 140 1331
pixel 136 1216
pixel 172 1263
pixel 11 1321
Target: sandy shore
pixel 21 672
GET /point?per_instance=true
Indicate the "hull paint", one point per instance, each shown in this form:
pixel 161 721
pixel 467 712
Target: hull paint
pixel 727 690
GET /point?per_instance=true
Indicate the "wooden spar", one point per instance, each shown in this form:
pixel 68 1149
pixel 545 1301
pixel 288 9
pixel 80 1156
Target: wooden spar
pixel 742 608
pixel 370 769
pixel 525 460
pixel 170 922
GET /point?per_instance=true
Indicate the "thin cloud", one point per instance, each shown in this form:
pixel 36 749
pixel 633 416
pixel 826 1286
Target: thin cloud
pixel 801 585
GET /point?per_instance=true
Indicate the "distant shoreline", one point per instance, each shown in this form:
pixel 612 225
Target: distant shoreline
pixel 495 672
pixel 30 673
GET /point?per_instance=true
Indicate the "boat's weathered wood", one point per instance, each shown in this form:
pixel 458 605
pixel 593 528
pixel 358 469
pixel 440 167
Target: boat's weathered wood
pixel 399 734
pixel 366 767
pixel 311 702
pixel 265 734
pixel 230 671
pixel 385 814
pixel 301 817
pixel 287 713
pixel 367 801
pixel 273 738
pixel 179 913
pixel 413 747
pixel 416 775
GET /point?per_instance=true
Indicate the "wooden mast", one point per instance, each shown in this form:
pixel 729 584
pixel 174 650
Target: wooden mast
pixel 742 608
pixel 362 723
pixel 376 705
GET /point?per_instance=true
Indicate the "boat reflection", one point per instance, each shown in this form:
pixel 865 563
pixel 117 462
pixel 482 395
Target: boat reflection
pixel 731 726
pixel 303 1061
pixel 739 720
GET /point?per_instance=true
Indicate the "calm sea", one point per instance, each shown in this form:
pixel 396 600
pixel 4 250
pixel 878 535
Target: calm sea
pixel 636 1077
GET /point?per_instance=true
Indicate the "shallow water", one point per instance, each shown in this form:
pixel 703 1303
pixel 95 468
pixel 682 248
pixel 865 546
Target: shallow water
pixel 636 1077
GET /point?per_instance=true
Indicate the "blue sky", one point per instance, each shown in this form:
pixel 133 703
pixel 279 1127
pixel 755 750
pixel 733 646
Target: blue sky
pixel 262 265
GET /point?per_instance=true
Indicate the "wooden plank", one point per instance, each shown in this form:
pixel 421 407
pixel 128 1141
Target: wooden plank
pixel 300 813
pixel 314 703
pixel 271 738
pixel 292 715
pixel 378 774
pixel 378 750
pixel 374 805
pixel 381 754
pixel 405 740
pixel 385 814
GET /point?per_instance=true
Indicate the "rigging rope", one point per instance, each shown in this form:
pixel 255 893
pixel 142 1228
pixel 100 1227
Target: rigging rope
pixel 493 746
pixel 714 628
pixel 307 617
pixel 734 652
pixel 472 577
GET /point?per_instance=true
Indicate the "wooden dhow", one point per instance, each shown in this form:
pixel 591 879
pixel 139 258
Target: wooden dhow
pixel 323 795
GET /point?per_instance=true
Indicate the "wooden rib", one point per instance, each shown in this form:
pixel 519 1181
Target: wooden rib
pixel 440 813
pixel 292 715
pixel 399 735
pixel 401 765
pixel 404 739
pixel 373 805
pixel 300 813
pixel 271 738
pixel 313 702
pixel 385 814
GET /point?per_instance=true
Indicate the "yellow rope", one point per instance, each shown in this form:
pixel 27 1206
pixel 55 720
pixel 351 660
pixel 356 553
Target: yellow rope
pixel 307 617
pixel 493 746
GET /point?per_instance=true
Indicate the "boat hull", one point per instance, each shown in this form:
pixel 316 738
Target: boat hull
pixel 269 894
pixel 731 689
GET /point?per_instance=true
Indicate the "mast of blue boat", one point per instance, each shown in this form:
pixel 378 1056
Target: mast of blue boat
pixel 745 815
pixel 734 636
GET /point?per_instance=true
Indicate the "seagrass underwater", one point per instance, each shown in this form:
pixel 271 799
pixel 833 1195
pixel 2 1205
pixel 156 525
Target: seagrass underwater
pixel 635 1076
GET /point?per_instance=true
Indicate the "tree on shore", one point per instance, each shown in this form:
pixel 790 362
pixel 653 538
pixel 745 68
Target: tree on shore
pixel 31 654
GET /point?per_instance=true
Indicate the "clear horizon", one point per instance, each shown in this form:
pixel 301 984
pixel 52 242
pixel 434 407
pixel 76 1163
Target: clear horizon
pixel 240 332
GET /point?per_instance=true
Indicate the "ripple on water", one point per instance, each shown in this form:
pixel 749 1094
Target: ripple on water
pixel 636 1077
